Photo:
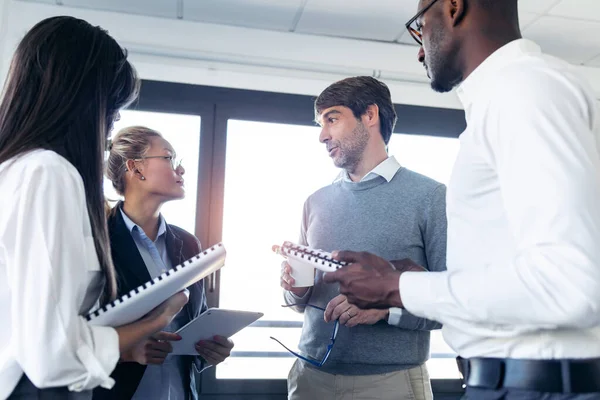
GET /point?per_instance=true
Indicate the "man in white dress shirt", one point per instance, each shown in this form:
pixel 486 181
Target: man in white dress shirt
pixel 520 302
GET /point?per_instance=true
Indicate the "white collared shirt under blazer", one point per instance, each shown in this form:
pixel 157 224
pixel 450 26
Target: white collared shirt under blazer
pixel 49 277
pixel 523 208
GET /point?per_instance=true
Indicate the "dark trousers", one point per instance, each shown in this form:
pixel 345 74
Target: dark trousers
pixel 25 390
pixel 511 394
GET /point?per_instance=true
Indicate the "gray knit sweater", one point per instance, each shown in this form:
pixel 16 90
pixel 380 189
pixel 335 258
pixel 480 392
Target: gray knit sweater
pixel 404 218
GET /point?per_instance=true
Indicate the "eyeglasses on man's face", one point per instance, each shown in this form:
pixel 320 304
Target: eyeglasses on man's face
pixel 414 26
pixel 175 163
pixel 312 361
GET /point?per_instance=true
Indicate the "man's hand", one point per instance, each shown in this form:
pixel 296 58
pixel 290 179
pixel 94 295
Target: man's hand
pixel 153 350
pixel 215 351
pixel 350 315
pixel 287 281
pixel 370 281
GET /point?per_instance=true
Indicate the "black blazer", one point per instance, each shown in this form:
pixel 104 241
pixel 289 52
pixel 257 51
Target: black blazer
pixel 131 273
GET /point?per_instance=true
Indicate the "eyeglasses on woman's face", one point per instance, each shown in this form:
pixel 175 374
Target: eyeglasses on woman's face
pixel 175 162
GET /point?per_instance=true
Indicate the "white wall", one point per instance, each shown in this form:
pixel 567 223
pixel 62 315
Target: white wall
pixel 190 52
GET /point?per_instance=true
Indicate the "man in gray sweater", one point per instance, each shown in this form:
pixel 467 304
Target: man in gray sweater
pixel 377 206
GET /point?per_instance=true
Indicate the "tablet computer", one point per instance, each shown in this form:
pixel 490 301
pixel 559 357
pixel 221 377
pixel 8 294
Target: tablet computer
pixel 212 322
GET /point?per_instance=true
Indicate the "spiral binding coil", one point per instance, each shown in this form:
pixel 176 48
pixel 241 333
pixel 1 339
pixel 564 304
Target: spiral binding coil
pixel 311 255
pixel 164 275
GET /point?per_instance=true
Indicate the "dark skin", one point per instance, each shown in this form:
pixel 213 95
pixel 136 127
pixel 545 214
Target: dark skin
pixel 370 281
pixel 457 35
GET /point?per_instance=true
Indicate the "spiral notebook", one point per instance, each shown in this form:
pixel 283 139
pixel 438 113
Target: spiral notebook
pixel 318 259
pixel 141 300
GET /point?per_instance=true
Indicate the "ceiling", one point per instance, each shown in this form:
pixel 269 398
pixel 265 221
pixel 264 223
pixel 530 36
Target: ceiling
pixel 569 29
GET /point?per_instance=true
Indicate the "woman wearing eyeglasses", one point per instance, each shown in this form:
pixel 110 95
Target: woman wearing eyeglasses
pixel 143 169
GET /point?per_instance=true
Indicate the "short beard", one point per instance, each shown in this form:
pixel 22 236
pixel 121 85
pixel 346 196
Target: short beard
pixel 442 67
pixel 352 149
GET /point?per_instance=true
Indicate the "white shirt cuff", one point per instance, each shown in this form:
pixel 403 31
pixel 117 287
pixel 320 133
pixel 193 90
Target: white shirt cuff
pixel 394 316
pixel 99 362
pixel 420 292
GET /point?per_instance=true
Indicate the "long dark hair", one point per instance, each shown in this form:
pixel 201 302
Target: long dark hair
pixel 66 84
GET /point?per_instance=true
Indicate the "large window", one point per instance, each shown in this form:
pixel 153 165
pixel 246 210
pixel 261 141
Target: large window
pixel 255 162
pixel 270 171
pixel 432 156
pixel 183 132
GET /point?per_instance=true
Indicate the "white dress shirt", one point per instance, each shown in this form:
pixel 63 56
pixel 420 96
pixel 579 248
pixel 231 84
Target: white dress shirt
pixel 50 276
pixel 386 169
pixel 523 208
pixel 153 252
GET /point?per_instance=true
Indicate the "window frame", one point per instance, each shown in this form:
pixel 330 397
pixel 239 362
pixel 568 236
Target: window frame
pixel 215 106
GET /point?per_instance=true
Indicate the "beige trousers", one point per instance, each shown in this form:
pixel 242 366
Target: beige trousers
pixel 306 383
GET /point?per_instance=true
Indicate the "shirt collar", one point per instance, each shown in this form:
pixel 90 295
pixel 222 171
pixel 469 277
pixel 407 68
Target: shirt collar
pixel 475 82
pixel 386 169
pixel 162 227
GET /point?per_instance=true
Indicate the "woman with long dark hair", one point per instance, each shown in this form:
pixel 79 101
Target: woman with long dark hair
pixel 66 84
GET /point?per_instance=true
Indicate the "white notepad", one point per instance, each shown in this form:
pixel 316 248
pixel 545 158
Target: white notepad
pixel 141 300
pixel 318 259
pixel 213 322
